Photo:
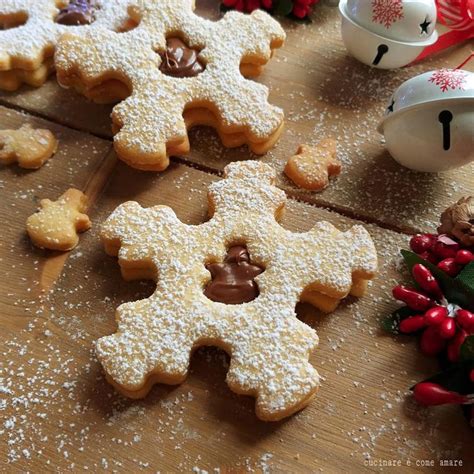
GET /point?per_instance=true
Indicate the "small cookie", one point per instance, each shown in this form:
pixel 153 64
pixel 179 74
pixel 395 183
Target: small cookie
pixel 57 224
pixel 312 166
pixel 232 282
pixel 30 29
pixel 30 147
pixel 177 70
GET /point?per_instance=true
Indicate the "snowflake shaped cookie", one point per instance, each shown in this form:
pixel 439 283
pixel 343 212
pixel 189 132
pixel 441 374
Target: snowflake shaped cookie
pixel 28 42
pixel 152 122
pixel 268 345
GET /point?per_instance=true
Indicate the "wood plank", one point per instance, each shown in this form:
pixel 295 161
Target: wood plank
pixel 324 92
pixel 26 270
pixel 73 419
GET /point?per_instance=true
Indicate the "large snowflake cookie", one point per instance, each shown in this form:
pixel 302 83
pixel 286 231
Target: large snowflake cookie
pixel 241 255
pixel 173 71
pixel 30 29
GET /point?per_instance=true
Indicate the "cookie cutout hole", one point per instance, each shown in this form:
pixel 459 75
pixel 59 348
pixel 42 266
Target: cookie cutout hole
pixel 13 21
pixel 77 13
pixel 233 280
pixel 179 60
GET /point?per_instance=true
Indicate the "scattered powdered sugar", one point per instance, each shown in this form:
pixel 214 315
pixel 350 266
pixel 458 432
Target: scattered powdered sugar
pixel 142 436
pixel 28 45
pixel 59 409
pixel 269 346
pixel 152 117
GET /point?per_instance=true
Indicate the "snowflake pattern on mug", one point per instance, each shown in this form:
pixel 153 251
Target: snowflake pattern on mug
pixel 387 12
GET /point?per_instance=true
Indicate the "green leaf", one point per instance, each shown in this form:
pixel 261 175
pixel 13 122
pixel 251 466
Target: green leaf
pixel 283 7
pixel 467 276
pixel 391 323
pixel 454 289
pixel 467 349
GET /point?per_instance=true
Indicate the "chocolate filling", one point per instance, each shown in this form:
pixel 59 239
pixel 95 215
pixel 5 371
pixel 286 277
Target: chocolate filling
pixel 179 60
pixel 233 279
pixel 78 12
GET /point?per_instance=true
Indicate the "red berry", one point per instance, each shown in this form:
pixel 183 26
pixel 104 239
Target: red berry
pixel 412 324
pixel 421 243
pixel 445 247
pixel 435 316
pixel 431 257
pixel 426 280
pixel 449 266
pixel 430 394
pixel 455 345
pixel 414 299
pixel 465 319
pixel 447 329
pixel 464 257
pixel 431 342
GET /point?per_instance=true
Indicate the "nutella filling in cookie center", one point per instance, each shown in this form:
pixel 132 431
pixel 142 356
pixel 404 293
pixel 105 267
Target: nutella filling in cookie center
pixel 233 279
pixel 78 12
pixel 179 60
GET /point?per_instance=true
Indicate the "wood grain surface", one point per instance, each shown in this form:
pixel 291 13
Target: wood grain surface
pixel 57 412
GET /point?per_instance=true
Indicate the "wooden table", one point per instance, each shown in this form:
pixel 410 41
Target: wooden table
pixel 59 414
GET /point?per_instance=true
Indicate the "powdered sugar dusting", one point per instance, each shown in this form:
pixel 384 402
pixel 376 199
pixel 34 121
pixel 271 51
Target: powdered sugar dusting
pixel 151 119
pixel 268 345
pixel 28 45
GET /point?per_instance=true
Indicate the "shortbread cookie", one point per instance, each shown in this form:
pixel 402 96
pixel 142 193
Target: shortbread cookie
pixel 312 166
pixel 266 268
pixel 57 224
pixel 178 70
pixel 31 29
pixel 30 147
pixel 13 79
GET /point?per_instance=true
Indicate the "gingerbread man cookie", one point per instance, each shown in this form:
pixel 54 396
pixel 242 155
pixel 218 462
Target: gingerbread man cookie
pixel 57 224
pixel 177 70
pixel 266 268
pixel 31 29
pixel 312 166
pixel 30 147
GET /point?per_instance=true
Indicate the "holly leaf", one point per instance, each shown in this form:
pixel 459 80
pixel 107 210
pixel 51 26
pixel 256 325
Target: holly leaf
pixel 454 289
pixel 391 323
pixel 467 349
pixel 467 276
pixel 283 7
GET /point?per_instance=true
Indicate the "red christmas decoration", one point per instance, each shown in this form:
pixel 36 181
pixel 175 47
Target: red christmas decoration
pixel 387 12
pixel 458 17
pixel 431 394
pixel 439 309
pixel 248 6
pixel 444 325
pixel 299 8
pixel 449 79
